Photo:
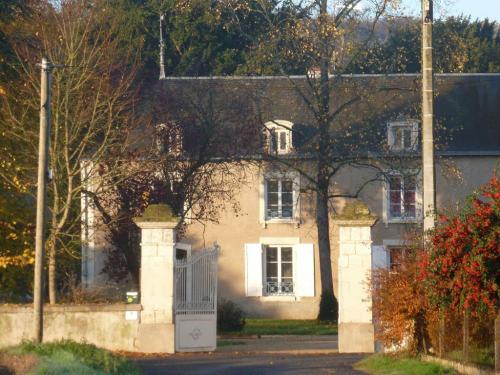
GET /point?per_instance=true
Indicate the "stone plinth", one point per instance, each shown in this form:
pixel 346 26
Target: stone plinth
pixel 356 330
pixel 157 332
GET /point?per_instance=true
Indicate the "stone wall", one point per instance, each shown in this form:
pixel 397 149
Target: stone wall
pixel 113 327
pixel 147 328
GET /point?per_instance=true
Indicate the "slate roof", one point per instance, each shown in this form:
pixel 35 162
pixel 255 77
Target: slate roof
pixel 467 106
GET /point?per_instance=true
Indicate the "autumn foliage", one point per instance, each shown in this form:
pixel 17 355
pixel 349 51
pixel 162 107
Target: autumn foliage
pixel 400 305
pixel 458 271
pixel 462 268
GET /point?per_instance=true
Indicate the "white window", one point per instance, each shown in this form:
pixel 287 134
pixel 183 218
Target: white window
pixel 279 136
pixel 279 198
pixel 402 135
pixel 283 270
pixel 402 198
pixel 280 193
pixel 278 270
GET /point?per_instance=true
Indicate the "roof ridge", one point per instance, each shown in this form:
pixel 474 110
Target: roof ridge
pixel 241 77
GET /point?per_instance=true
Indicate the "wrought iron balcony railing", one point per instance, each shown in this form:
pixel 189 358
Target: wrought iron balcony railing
pixel 273 288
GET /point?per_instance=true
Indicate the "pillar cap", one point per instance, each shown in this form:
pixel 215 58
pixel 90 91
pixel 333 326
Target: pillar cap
pixel 157 215
pixel 355 213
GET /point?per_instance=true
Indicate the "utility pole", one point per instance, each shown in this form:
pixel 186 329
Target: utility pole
pixel 162 48
pixel 43 147
pixel 429 195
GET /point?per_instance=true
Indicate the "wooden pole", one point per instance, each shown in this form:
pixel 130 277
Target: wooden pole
pixel 40 197
pixel 429 196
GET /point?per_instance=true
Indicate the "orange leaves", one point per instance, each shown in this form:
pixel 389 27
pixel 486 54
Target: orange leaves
pixel 398 302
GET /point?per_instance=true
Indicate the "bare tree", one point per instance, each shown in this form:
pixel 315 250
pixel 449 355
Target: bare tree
pixel 92 107
pixel 322 39
pixel 192 158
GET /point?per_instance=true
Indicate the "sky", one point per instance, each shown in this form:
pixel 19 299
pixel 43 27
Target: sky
pixel 475 8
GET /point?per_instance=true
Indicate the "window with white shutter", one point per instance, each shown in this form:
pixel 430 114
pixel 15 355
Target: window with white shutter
pixel 279 270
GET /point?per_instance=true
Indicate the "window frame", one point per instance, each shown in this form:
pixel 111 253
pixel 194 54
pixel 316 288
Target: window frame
pixel 279 276
pixel 294 177
pixel 275 129
pixel 280 191
pixel 388 218
pixel 412 125
pixel 392 250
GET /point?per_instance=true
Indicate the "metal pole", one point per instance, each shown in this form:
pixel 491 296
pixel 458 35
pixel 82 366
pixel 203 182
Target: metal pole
pixel 162 48
pixel 40 197
pixel 429 196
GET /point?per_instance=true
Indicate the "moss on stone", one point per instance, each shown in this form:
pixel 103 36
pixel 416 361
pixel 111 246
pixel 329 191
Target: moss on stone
pixel 155 213
pixel 355 210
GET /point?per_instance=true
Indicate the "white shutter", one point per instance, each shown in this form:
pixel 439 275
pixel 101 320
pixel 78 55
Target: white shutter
pixel 414 135
pixel 390 136
pixel 253 269
pixel 303 266
pixel 379 257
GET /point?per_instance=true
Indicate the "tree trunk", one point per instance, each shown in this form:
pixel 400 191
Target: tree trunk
pixel 52 269
pixel 441 332
pixel 51 251
pixel 497 343
pixel 465 338
pixel 328 306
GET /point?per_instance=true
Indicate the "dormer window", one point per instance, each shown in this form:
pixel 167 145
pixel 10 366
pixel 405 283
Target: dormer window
pixel 279 136
pixel 168 139
pixel 402 135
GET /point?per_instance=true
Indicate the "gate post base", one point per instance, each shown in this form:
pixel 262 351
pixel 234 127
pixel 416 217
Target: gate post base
pixel 156 338
pixel 356 338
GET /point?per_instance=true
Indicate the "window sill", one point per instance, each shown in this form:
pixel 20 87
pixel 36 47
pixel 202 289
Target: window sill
pixel 279 298
pixel 415 220
pixel 265 223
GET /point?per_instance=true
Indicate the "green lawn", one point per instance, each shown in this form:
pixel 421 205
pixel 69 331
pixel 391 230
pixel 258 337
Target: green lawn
pixel 286 327
pixel 67 357
pixel 389 365
pixel 483 357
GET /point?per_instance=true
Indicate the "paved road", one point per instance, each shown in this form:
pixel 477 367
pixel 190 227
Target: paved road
pixel 250 364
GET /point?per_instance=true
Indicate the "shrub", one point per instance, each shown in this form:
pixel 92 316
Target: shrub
pixel 230 317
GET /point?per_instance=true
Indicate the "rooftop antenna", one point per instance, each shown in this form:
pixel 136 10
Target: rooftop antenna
pixel 162 48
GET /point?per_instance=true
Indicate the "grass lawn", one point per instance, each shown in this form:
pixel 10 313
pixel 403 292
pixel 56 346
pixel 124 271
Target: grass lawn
pixel 286 327
pixel 483 357
pixel 388 365
pixel 65 357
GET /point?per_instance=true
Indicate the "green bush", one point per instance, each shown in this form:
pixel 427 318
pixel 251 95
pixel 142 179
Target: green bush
pixel 230 317
pixel 61 354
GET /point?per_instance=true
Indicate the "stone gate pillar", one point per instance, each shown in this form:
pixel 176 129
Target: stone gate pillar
pixel 156 330
pixel 356 329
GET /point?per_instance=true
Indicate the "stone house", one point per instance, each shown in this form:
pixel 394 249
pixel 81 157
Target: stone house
pixel 269 261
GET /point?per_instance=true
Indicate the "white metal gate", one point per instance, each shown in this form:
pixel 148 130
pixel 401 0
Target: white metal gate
pixel 195 301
